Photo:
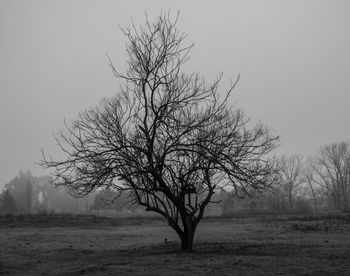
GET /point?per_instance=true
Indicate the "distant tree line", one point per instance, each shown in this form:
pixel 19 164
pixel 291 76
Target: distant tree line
pixel 317 183
pixel 27 194
pixel 320 182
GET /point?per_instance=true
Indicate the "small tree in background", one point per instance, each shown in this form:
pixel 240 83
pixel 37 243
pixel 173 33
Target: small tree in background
pixel 315 190
pixel 331 171
pixel 290 176
pixel 108 199
pixel 168 138
pixel 22 188
pixel 8 204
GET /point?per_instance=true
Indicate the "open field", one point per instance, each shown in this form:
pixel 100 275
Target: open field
pixel 245 246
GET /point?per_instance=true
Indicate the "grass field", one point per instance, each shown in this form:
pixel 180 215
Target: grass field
pixel 74 245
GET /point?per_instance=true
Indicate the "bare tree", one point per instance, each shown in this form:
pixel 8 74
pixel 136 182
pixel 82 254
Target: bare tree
pixel 309 178
pixel 290 176
pixel 332 172
pixel 168 138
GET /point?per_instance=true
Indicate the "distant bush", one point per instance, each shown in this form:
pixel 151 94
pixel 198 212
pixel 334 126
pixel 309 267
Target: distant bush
pixel 345 217
pixel 307 227
pixel 246 213
pixel 302 206
pixel 311 222
pixel 68 220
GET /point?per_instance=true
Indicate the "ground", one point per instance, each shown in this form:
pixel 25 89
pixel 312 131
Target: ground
pixel 240 246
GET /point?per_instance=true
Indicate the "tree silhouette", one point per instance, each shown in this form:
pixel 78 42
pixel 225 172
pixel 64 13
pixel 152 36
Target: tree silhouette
pixel 167 137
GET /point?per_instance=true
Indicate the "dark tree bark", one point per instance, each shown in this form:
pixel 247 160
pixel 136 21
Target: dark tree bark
pixel 168 138
pixel 189 226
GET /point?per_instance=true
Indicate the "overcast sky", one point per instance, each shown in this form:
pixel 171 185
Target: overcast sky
pixel 293 57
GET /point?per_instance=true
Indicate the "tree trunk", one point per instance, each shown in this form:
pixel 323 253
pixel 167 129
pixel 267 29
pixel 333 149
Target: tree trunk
pixel 346 200
pixel 313 195
pixel 187 237
pixel 315 203
pixel 187 242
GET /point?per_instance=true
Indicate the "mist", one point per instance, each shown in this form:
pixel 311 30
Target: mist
pixel 293 58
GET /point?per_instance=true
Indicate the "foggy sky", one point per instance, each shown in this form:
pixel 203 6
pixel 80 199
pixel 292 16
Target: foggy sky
pixel 293 58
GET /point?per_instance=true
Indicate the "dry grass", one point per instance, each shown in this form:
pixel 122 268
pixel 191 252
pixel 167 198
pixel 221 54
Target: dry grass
pixel 223 247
